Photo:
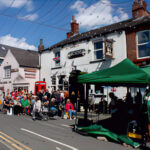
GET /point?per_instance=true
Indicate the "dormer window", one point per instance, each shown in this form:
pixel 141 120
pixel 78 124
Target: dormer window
pixel 143 44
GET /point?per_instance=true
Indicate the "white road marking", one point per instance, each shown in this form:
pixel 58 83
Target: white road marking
pixel 66 125
pixel 52 125
pixel 49 139
pixel 57 148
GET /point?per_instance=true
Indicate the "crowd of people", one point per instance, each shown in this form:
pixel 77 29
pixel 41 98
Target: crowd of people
pixel 42 104
pixel 59 103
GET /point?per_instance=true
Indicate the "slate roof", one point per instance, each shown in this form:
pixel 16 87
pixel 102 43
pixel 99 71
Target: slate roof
pixel 25 58
pixel 3 51
pixel 126 25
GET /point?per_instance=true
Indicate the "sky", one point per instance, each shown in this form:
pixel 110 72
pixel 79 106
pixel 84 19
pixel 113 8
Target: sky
pixel 24 22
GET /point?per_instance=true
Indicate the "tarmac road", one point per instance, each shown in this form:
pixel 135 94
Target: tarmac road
pixel 22 133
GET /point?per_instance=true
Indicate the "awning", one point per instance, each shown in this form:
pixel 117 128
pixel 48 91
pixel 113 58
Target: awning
pixel 125 73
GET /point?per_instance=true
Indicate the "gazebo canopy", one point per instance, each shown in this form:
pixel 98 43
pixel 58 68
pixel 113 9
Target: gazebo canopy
pixel 125 73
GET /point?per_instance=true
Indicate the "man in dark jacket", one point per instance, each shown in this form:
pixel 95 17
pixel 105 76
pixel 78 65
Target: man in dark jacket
pixel 47 94
pixel 102 106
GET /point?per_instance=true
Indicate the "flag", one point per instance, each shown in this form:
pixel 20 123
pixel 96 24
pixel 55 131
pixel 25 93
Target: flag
pixel 56 59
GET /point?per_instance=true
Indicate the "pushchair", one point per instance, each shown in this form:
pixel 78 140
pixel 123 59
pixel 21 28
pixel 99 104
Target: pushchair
pixel 49 112
pixel 52 112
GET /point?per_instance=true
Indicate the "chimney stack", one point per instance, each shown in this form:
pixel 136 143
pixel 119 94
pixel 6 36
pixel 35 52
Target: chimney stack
pixel 139 9
pixel 74 27
pixel 41 46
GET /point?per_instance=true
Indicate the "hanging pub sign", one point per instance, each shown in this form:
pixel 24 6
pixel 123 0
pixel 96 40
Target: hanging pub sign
pixel 109 48
pixel 77 53
pixel 14 70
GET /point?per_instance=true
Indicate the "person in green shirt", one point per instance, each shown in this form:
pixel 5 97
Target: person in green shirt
pixel 25 104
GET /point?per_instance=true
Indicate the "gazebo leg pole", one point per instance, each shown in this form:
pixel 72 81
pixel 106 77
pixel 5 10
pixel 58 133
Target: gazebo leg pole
pixel 86 92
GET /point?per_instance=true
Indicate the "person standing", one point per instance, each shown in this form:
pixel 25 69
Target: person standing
pixel 66 94
pixel 47 94
pixel 6 104
pixel 73 97
pixel 32 103
pixel 113 103
pixel 40 94
pixel 102 106
pixel 37 108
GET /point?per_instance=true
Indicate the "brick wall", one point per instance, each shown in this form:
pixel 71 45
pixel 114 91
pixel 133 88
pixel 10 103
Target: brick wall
pixel 132 48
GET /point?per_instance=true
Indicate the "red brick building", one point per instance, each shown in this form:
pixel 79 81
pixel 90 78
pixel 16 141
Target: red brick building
pixel 138 37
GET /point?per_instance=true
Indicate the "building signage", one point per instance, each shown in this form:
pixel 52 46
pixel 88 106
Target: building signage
pixel 75 54
pixel 5 82
pixel 109 48
pixel 14 70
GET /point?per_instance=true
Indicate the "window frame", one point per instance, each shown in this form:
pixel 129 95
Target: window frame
pixel 1 61
pixel 96 41
pixel 6 74
pixel 53 80
pixel 57 64
pixel 137 44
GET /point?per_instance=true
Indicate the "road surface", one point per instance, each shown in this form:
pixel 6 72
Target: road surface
pixel 22 133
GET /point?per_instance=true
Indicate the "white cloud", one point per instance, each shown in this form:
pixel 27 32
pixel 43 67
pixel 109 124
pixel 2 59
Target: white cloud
pixel 30 17
pixel 79 6
pixel 17 4
pixel 98 14
pixel 15 42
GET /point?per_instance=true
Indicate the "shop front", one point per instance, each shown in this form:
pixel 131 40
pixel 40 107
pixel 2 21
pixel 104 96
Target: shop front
pixel 20 87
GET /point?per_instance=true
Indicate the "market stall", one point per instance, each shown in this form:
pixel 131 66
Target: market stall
pixel 124 74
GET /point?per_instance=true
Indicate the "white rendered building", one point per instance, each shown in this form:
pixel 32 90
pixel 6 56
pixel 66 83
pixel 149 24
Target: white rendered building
pixel 19 70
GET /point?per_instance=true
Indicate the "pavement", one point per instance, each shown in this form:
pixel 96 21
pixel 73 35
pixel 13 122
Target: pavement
pixel 22 133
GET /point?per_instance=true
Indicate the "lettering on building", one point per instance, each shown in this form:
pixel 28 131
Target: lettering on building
pixel 77 53
pixel 30 73
pixel 5 82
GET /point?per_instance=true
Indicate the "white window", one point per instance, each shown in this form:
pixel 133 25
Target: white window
pixel 98 50
pixel 143 44
pixel 53 79
pixel 7 71
pixel 57 59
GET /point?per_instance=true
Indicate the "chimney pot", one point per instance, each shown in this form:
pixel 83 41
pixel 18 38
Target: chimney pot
pixel 139 9
pixel 135 1
pixel 73 19
pixel 41 41
pixel 41 46
pixel 74 27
